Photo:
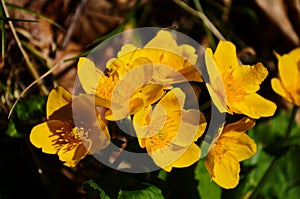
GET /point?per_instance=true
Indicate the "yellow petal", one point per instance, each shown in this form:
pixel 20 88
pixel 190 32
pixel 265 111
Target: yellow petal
pixel 87 116
pixel 89 75
pixel 226 171
pixel 164 40
pixel 237 142
pixel 44 136
pixel 279 89
pixel 217 98
pixel 255 106
pixel 127 48
pixel 141 121
pixel 189 157
pixel 167 155
pixel 71 157
pixel 216 86
pixel 58 97
pixel 225 56
pixel 288 71
pixel 173 100
pixel 192 126
pixel 295 53
pixel 251 76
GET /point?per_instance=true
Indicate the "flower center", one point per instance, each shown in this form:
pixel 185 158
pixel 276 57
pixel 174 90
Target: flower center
pixel 70 136
pixel 234 89
pixel 106 86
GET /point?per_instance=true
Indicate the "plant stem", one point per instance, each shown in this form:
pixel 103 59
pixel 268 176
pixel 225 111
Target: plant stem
pixel 202 16
pixel 206 29
pixel 275 161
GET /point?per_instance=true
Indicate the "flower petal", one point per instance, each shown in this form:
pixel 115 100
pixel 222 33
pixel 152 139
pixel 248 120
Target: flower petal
pixel 251 76
pixel 255 106
pixel 44 136
pixel 225 171
pixel 189 157
pixel 192 126
pixel 288 71
pixel 216 87
pixel 71 157
pixel 58 97
pixel 279 89
pixel 237 142
pixel 89 75
pixel 225 56
pixel 173 100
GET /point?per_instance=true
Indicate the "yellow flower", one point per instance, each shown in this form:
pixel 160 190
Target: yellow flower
pixel 126 96
pixel 94 81
pixel 168 131
pixel 233 86
pixel 60 136
pixel 232 146
pixel 288 84
pixel 167 62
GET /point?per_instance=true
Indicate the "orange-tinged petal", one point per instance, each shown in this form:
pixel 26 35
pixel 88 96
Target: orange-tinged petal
pixel 189 157
pixel 251 76
pixel 58 97
pixel 89 75
pixel 255 106
pixel 43 136
pixel 226 57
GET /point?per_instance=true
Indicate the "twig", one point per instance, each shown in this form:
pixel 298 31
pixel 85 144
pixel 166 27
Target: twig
pixel 29 65
pixel 202 16
pixel 73 24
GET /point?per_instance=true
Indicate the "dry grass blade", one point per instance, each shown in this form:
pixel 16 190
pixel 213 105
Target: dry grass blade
pixel 30 66
pixel 32 84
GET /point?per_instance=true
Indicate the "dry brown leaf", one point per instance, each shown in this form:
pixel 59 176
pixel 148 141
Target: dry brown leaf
pixel 98 18
pixel 277 12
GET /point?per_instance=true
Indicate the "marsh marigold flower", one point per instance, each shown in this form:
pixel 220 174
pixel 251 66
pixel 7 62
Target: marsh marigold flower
pixel 168 132
pixel 288 83
pixel 132 90
pixel 232 146
pixel 164 57
pixel 60 136
pixel 233 86
pixel 139 76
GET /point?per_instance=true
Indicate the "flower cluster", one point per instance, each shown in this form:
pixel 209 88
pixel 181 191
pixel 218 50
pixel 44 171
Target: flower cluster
pixel 143 85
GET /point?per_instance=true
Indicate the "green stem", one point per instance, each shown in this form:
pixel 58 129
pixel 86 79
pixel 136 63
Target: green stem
pixel 206 29
pixel 275 161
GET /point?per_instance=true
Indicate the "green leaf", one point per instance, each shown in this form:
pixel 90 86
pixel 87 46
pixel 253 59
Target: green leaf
pixel 284 181
pixel 12 130
pixel 33 108
pixel 150 192
pixel 207 189
pixel 95 186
